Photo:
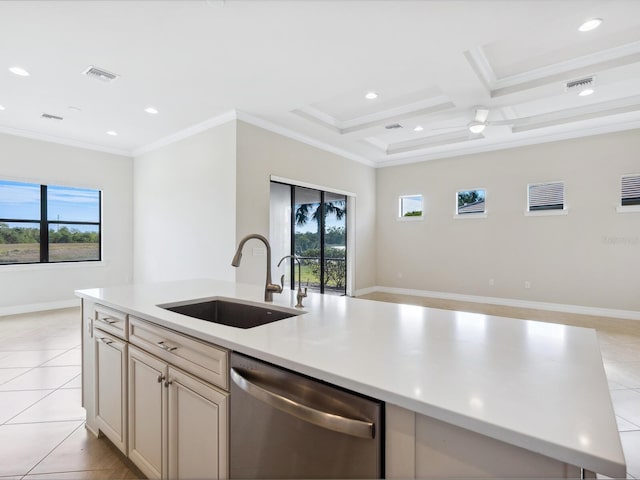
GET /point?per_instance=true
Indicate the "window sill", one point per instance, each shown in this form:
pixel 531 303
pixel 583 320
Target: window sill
pixel 410 219
pixel 51 266
pixel 463 216
pixel 628 209
pixel 546 213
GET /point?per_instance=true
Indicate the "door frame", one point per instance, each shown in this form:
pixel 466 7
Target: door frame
pixel 351 222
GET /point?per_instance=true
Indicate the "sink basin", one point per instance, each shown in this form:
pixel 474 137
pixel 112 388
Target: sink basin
pixel 229 313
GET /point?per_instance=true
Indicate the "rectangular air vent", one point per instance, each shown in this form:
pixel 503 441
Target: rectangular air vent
pixel 48 116
pixel 579 84
pixel 393 126
pixel 100 74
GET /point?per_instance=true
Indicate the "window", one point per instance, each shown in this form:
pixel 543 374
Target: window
pixel 317 230
pixel 410 206
pixel 545 197
pixel 48 224
pixel 630 190
pixel 470 202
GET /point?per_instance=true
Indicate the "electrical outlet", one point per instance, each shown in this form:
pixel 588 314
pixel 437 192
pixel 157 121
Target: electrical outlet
pixel 527 284
pixel 259 251
pixel 399 274
pixel 492 282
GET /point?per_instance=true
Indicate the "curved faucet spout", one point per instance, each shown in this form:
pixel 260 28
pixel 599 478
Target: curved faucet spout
pixel 269 287
pixel 300 294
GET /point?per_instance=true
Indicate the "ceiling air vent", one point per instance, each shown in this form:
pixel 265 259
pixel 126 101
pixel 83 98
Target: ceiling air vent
pixel 48 116
pixel 393 126
pixel 579 84
pixel 100 74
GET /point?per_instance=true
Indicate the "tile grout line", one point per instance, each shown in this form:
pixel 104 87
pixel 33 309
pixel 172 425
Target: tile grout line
pixel 53 449
pixel 28 407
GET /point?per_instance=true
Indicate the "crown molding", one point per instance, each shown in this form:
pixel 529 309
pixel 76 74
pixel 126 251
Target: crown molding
pixel 63 141
pixel 186 133
pixel 583 65
pixel 285 132
pixel 421 107
pixel 520 142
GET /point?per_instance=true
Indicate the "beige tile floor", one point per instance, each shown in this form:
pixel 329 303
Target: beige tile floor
pixel 42 434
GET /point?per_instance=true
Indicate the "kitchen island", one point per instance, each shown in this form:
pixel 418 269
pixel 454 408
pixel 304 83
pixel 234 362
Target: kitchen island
pixel 529 398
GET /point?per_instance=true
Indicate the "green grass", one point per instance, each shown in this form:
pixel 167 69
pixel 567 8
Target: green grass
pixel 58 252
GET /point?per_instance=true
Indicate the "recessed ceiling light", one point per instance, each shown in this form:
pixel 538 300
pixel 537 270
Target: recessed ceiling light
pixel 2 107
pixel 590 25
pixel 74 108
pixel 371 95
pixel 19 71
pixel 586 92
pixel 418 128
pixel 112 133
pixel 151 110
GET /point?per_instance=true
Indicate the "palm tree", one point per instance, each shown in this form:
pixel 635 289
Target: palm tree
pixel 338 208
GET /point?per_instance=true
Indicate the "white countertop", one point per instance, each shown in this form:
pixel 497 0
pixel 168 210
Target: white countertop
pixel 540 386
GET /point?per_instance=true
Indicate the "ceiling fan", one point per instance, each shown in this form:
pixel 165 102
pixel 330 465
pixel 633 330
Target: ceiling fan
pixel 479 122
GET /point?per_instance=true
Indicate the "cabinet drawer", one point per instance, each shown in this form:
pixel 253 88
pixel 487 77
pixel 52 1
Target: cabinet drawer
pixel 201 359
pixel 111 321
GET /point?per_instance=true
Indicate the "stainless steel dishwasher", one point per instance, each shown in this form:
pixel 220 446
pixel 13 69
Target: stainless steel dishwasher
pixel 285 425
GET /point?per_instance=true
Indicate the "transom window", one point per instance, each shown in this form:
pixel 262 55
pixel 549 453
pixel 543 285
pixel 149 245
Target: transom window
pixel 470 201
pixel 545 196
pixel 48 223
pixel 630 190
pixel 410 206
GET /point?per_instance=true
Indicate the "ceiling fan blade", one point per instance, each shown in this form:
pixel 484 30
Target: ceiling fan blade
pixel 454 127
pixel 501 122
pixel 481 114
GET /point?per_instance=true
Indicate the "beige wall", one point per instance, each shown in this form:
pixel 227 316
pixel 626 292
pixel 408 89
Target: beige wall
pixel 590 257
pixel 261 154
pixel 32 287
pixel 184 208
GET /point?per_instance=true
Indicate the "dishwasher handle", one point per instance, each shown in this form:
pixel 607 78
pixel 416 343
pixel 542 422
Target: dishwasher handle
pixel 327 420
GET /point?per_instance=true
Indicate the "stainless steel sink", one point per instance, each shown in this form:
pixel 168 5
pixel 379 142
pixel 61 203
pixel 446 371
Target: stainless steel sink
pixel 230 313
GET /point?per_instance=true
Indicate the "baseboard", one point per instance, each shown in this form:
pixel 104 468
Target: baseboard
pixel 39 307
pixel 508 302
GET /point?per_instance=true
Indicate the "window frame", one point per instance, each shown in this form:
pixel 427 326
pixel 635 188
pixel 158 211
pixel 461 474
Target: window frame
pixel 549 211
pixel 410 218
pixel 482 214
pixel 44 224
pixel 627 208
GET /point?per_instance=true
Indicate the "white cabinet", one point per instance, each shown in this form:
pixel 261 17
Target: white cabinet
pixel 198 432
pixel 147 412
pixel 88 372
pixel 417 446
pixel 158 395
pixel 177 422
pixel 110 387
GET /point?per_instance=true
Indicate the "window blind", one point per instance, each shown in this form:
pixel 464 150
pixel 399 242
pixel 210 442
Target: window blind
pixel 630 190
pixel 546 196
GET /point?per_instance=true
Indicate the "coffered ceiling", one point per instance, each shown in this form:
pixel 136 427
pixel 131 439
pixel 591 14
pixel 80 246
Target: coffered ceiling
pixel 303 68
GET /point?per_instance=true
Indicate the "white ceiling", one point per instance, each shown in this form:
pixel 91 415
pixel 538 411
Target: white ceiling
pixel 303 67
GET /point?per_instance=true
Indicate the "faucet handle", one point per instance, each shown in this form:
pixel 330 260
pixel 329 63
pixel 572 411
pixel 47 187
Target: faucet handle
pixel 282 280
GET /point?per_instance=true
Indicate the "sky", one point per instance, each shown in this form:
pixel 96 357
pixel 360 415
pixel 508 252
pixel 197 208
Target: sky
pixel 21 201
pixel 330 221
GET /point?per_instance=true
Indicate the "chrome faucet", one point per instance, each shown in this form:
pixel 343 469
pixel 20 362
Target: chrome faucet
pixel 269 287
pixel 300 294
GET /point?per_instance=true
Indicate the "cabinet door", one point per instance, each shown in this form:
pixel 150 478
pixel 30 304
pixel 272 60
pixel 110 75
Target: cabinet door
pixel 198 432
pixel 110 387
pixel 147 412
pixel 88 355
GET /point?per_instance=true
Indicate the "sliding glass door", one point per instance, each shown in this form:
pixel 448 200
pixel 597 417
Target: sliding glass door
pixel 318 226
